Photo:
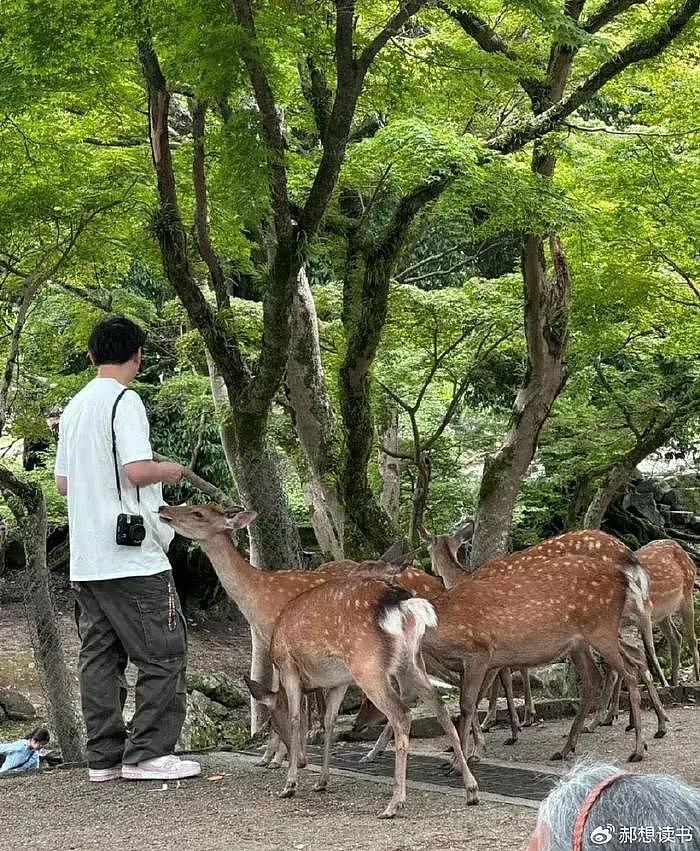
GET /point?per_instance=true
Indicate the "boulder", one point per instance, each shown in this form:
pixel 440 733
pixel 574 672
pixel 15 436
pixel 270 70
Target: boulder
pixel 558 679
pixel 352 700
pixel 16 706
pixel 644 505
pixel 200 730
pixel 217 686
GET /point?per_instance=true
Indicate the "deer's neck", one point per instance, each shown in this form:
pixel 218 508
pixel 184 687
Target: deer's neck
pixel 449 569
pixel 241 581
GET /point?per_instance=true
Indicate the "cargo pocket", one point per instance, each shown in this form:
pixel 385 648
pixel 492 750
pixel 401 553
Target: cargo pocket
pixel 163 624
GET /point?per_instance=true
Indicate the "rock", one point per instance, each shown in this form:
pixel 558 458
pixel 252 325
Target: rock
pixel 16 706
pixel 558 680
pixel 218 686
pixel 644 505
pixel 681 518
pixel 200 730
pixel 536 683
pixel 352 700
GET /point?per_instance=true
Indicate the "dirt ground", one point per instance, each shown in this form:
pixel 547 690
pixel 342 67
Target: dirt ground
pixel 60 811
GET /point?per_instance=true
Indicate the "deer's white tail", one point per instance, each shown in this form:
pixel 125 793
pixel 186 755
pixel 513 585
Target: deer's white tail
pixel 414 615
pixel 638 604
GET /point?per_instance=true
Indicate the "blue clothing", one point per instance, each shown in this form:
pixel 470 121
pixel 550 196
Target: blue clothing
pixel 19 756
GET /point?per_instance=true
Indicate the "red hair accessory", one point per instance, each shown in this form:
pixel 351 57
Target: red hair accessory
pixel 587 806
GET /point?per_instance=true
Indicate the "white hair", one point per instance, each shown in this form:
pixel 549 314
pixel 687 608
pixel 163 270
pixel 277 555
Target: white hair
pixel 652 802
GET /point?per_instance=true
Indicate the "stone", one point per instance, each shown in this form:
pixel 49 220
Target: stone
pixel 16 706
pixel 558 680
pixel 644 505
pixel 218 686
pixel 681 518
pixel 200 730
pixel 536 683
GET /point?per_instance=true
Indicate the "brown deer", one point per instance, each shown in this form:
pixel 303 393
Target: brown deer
pixel 671 574
pixel 360 630
pixel 529 608
pixel 443 551
pixel 259 594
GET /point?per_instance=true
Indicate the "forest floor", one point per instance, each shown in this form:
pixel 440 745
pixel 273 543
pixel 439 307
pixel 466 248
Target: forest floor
pixel 234 804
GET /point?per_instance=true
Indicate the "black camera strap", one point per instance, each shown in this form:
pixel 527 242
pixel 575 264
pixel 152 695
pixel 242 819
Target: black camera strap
pixel 114 453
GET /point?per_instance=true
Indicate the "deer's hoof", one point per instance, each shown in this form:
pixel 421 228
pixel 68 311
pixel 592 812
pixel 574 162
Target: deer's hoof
pixel 320 787
pixel 262 763
pixel 556 757
pixel 472 797
pixel 511 741
pixel 629 728
pixel 659 734
pixel 288 792
pixel 391 810
pixel 635 757
pixel 273 765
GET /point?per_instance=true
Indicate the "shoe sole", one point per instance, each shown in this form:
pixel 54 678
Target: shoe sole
pixel 105 779
pixel 142 774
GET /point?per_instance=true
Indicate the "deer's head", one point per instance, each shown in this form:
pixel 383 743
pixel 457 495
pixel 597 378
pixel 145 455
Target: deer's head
pixel 201 522
pixel 276 702
pixel 447 544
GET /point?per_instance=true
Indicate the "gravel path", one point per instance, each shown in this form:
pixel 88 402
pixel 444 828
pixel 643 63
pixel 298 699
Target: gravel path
pixel 60 811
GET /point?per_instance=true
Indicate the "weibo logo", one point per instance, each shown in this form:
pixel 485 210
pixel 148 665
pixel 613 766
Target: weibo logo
pixel 602 835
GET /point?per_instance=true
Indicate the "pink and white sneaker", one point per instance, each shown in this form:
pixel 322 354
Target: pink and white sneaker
pixel 100 775
pixel 168 767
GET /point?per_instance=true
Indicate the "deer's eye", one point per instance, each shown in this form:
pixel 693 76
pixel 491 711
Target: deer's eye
pixel 199 514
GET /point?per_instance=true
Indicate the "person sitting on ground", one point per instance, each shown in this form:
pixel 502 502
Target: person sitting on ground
pixel 23 755
pixel 600 806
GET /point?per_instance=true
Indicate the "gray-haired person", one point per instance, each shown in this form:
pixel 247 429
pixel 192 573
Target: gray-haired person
pixel 599 806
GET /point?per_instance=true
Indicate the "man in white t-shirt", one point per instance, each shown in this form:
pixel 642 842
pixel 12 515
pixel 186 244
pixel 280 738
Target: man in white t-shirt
pixel 128 607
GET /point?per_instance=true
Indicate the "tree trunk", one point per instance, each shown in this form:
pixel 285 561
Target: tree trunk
pixel 616 478
pixel 390 470
pixel 313 413
pixel 420 496
pixel 546 317
pixel 28 505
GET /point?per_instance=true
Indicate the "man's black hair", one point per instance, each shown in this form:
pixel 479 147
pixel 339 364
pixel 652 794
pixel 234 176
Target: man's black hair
pixel 115 340
pixel 41 735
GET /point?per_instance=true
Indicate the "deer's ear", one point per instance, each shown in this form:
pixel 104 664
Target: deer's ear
pixel 425 536
pixel 394 554
pixel 465 530
pixel 239 519
pixel 260 693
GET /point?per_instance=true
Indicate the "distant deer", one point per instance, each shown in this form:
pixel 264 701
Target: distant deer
pixel 671 574
pixel 360 630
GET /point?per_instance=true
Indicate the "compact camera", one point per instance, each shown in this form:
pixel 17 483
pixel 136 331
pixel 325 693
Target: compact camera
pixel 130 530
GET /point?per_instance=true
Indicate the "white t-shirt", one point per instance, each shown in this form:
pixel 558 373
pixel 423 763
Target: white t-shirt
pixel 85 458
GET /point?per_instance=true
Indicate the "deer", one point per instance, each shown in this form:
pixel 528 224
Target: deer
pixel 259 594
pixel 443 551
pixel 527 609
pixel 671 574
pixel 597 566
pixel 354 630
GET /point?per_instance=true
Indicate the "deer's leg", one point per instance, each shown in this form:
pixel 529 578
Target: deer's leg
pixel 380 745
pixel 475 669
pixel 506 679
pixel 590 689
pixel 433 699
pixel 272 749
pixel 379 690
pixel 530 711
pixel 688 615
pixel 333 699
pixel 605 714
pixel 673 639
pixel 661 716
pixel 289 679
pixel 647 632
pixel 608 645
pixel 492 682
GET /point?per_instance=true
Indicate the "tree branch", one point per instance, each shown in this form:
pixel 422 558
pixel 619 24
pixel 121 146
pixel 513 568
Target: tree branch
pixel 212 491
pixel 624 410
pixel 392 28
pixel 637 51
pixel 272 128
pixel 217 279
pixel 607 13
pixel 171 233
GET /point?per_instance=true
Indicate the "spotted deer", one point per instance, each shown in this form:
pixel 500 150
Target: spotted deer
pixel 671 574
pixel 354 630
pixel 443 551
pixel 259 594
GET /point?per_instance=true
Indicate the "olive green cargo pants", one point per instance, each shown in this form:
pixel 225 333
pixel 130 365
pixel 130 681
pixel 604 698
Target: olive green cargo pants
pixel 137 618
